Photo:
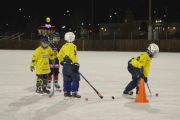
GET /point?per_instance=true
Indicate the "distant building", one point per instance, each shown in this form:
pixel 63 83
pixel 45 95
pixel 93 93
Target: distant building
pixel 133 30
pixel 164 30
pixel 124 30
pixel 138 29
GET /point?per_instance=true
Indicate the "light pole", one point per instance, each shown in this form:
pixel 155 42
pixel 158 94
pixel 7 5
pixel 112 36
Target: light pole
pixel 150 22
pixel 92 19
pixel 92 12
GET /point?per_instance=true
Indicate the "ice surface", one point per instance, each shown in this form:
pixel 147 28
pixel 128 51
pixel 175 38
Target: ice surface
pixel 107 71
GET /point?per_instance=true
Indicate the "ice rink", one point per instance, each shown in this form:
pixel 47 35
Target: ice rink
pixel 107 71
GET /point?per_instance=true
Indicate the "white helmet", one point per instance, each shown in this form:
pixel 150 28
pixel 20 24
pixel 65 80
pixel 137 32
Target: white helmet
pixel 153 50
pixel 69 36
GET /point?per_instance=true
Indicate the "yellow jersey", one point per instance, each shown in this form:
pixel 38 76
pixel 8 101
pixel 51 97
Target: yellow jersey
pixel 142 60
pixel 40 59
pixel 69 49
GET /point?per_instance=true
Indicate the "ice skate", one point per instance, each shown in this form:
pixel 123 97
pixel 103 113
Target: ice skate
pixel 57 85
pixel 39 90
pixel 46 91
pixel 67 94
pixel 75 95
pixel 49 85
pixel 128 92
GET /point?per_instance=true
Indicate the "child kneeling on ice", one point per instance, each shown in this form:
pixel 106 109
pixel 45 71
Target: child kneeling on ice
pixel 139 67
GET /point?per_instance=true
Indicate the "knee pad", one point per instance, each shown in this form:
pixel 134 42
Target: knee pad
pixel 49 77
pixel 136 76
pixel 39 82
pixel 45 81
pixel 56 77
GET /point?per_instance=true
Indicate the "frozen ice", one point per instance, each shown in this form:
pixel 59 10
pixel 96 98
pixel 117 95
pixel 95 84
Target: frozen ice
pixel 107 71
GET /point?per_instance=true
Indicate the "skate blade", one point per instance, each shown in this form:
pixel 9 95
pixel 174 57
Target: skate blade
pixel 128 96
pixel 67 98
pixel 41 94
pixel 58 90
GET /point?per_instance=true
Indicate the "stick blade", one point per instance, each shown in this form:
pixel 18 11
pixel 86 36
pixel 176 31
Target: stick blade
pixel 101 97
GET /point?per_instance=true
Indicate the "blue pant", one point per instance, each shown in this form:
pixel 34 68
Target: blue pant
pixel 136 74
pixel 71 78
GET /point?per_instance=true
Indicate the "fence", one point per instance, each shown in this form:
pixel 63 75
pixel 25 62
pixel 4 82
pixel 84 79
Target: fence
pixel 130 35
pixel 99 45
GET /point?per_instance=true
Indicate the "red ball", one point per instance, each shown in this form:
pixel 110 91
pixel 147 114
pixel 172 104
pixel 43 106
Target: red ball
pixel 86 99
pixel 157 94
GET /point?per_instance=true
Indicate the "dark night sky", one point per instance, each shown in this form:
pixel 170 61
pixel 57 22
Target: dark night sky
pixel 56 8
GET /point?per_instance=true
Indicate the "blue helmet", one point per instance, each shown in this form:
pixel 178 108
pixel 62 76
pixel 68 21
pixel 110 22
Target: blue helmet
pixel 53 35
pixel 44 39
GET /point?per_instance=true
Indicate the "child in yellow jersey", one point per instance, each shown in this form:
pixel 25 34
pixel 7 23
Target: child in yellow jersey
pixel 54 74
pixel 68 58
pixel 139 67
pixel 40 60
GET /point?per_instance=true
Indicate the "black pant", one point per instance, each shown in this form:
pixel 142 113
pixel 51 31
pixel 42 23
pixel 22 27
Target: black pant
pixel 136 74
pixel 41 80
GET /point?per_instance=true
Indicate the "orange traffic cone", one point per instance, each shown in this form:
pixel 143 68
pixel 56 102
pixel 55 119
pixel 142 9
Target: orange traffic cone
pixel 141 97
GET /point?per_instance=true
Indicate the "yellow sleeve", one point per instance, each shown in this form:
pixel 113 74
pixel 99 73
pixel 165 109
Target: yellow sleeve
pixel 75 59
pixel 60 55
pixel 35 57
pixel 147 70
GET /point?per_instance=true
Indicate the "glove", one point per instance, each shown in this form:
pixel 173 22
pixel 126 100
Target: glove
pixel 142 70
pixel 76 67
pixel 32 68
pixel 145 79
pixel 62 63
pixel 53 62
